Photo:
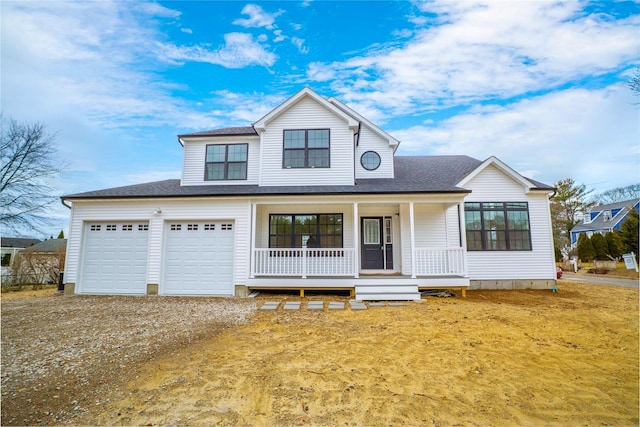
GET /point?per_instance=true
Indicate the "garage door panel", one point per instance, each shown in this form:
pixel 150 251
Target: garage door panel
pixel 198 258
pixel 115 258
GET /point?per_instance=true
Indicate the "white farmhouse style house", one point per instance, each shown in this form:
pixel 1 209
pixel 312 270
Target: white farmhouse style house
pixel 311 196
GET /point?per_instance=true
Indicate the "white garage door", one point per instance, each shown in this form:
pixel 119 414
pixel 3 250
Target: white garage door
pixel 198 258
pixel 115 258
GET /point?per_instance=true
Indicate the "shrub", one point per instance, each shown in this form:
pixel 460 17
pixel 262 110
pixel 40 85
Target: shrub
pixel 600 247
pixel 585 248
pixel 629 232
pixel 614 244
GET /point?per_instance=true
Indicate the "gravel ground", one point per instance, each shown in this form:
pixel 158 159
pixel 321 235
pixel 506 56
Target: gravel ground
pixel 58 353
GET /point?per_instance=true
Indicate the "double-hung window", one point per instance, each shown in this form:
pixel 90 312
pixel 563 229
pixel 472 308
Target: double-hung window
pixel 306 148
pixel 311 230
pixel 497 226
pixel 226 162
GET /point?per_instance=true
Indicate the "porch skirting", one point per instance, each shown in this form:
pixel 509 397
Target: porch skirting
pixel 366 287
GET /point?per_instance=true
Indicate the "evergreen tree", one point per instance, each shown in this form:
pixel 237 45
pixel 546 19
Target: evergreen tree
pixel 61 235
pixel 614 244
pixel 629 233
pixel 600 247
pixel 585 248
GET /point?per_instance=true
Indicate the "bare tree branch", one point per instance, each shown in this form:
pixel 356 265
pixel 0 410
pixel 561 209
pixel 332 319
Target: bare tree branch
pixel 28 161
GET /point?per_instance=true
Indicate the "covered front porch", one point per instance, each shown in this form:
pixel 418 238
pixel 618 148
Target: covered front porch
pixel 377 249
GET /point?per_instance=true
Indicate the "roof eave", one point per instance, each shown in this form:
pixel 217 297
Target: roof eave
pixel 278 193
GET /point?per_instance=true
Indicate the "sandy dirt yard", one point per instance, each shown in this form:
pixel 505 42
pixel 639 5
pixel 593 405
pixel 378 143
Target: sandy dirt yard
pixel 493 358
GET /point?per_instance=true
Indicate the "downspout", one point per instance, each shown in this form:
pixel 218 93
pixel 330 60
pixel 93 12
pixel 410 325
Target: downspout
pixel 64 204
pixel 356 142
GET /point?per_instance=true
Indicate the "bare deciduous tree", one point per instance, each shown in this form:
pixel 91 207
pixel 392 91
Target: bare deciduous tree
pixel 619 194
pixel 28 163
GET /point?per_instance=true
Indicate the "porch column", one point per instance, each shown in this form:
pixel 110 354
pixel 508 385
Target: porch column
pixel 412 239
pixel 252 231
pixel 356 242
pixel 463 235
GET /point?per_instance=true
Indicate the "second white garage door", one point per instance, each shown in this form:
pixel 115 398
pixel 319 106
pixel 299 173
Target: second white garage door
pixel 198 258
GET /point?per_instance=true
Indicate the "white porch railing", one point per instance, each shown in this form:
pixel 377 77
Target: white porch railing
pixel 440 262
pixel 304 262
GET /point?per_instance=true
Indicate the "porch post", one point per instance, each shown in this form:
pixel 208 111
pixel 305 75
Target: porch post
pixel 356 241
pixel 252 255
pixel 412 230
pixel 463 235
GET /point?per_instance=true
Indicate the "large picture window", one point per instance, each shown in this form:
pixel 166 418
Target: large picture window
pixel 226 162
pixel 497 226
pixel 306 148
pixel 311 230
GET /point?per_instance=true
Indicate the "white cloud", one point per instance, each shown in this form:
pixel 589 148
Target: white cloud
pixel 299 43
pixel 186 30
pixel 278 36
pixel 238 51
pixel 243 109
pixel 591 136
pixel 155 9
pixel 258 18
pixel 493 50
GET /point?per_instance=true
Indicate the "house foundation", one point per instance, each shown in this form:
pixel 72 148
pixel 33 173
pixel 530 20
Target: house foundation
pixel 69 288
pixel 512 284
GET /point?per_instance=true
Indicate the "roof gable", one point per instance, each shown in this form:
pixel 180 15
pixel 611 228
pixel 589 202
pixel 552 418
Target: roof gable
pixel 504 168
pixel 261 124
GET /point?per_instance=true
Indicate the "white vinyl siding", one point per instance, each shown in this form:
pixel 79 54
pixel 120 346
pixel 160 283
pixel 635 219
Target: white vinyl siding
pixel 370 141
pixel 307 114
pixel 237 211
pixel 491 185
pixel 194 155
pixel 434 226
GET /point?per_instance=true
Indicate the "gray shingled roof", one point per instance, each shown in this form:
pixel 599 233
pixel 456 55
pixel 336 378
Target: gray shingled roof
pixel 48 246
pixel 236 130
pixel 17 242
pixel 599 222
pixel 413 174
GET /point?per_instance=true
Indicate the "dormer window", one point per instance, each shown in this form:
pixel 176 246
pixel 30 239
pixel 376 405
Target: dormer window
pixel 606 215
pixel 587 218
pixel 306 148
pixel 226 162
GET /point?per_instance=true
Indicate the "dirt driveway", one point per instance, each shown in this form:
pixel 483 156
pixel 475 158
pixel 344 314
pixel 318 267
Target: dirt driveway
pixel 496 357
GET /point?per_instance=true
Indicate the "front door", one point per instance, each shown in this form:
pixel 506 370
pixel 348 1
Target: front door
pixel 372 244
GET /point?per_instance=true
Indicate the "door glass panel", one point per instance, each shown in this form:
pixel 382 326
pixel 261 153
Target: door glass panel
pixel 371 231
pixel 387 231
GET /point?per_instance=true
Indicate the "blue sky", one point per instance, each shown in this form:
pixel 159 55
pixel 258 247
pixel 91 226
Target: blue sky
pixel 539 84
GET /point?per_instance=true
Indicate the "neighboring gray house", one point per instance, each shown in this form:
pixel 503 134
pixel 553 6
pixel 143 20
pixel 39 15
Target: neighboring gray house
pixel 603 218
pixel 44 261
pixel 12 245
pixel 312 196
